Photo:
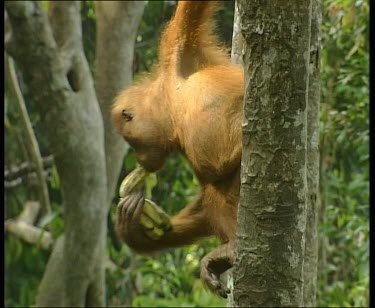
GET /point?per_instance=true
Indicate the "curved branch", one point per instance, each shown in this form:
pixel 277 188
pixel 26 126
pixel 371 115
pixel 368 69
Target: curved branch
pixel 23 228
pixel 29 233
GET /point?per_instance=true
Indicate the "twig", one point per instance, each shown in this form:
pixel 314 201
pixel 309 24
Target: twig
pixel 14 172
pixel 32 143
pixel 23 227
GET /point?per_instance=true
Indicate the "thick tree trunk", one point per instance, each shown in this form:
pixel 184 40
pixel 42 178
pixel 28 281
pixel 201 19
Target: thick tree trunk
pixel 270 244
pixel 56 72
pixel 60 83
pixel 311 246
pixel 113 71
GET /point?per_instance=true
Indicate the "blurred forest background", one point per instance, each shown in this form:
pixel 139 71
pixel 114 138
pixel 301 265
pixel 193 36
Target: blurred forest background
pixel 171 278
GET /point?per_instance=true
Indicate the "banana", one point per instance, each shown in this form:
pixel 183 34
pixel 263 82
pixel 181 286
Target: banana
pixel 158 232
pixel 146 222
pixel 132 181
pixel 160 218
pixel 154 234
pixel 153 219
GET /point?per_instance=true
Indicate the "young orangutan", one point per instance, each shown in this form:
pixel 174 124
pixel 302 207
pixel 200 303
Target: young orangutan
pixel 191 104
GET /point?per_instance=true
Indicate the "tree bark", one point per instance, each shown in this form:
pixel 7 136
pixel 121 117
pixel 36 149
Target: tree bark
pixel 310 270
pixel 113 67
pixel 237 58
pixel 268 269
pixel 79 132
pixel 113 72
pixel 60 83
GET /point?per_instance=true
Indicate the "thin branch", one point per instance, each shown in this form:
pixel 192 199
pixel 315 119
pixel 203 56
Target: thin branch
pixel 31 141
pixel 237 40
pixel 30 179
pixel 13 183
pixel 23 227
pixel 30 212
pixel 15 172
pixel 7 29
pixel 29 233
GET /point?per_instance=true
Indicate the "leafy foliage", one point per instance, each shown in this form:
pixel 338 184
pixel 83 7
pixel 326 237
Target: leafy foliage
pixel 344 227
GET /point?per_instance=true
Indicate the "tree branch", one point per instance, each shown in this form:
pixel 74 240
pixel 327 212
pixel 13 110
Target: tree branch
pixel 31 142
pixel 237 39
pixel 23 227
pixel 29 233
pixel 29 213
pixel 15 172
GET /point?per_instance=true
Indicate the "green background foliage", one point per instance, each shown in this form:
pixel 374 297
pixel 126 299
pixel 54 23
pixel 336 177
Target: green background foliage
pixel 171 278
pixel 344 222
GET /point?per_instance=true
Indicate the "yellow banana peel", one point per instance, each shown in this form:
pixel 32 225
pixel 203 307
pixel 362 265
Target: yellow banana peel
pixel 132 181
pixel 154 220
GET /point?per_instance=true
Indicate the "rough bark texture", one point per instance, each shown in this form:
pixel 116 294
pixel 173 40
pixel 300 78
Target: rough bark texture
pixel 311 246
pixel 50 55
pixel 268 270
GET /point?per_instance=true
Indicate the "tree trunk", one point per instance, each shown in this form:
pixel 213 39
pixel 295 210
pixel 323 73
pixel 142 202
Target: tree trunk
pixel 113 72
pixel 113 67
pixel 61 86
pixel 268 269
pixel 310 269
pixel 50 55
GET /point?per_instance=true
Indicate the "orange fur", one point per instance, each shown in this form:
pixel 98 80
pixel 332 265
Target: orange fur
pixel 191 104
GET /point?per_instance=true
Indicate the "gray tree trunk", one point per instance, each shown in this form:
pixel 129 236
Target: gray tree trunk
pixel 268 269
pixel 313 159
pixel 114 60
pixel 113 72
pixel 49 54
